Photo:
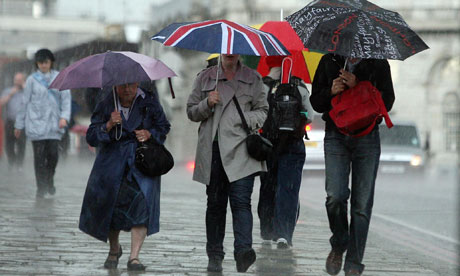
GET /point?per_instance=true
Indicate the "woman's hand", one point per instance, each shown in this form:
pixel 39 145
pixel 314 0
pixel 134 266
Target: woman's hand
pixel 349 79
pixel 62 123
pixel 213 98
pixel 17 133
pixel 115 118
pixel 142 135
pixel 337 86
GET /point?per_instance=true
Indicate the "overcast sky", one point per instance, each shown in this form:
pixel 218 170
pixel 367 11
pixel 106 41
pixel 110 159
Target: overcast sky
pixel 114 11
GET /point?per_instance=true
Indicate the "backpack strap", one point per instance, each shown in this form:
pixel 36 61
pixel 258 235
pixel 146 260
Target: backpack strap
pixel 286 69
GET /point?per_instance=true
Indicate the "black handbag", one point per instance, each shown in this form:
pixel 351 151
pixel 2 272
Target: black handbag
pixel 258 147
pixel 153 159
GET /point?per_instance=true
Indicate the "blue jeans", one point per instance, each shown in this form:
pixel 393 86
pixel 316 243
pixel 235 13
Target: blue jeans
pixel 219 191
pixel 361 156
pixel 279 191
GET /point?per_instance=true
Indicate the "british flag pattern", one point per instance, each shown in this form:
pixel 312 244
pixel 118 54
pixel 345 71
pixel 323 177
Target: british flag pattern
pixel 221 36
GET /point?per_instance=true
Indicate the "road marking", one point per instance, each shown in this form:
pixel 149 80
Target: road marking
pixel 416 243
pixel 418 229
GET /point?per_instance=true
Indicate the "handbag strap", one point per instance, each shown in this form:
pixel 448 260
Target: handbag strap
pixel 243 120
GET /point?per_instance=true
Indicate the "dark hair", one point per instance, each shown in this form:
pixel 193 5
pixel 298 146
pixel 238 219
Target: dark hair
pixel 43 54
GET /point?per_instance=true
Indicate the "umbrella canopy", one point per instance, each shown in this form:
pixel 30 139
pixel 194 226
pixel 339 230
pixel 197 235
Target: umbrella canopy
pixel 221 36
pixel 355 28
pixel 299 54
pixel 109 69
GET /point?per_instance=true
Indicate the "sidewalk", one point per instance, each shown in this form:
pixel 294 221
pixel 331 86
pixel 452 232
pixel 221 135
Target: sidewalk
pixel 42 237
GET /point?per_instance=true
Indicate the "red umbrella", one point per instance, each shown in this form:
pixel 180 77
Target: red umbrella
pixel 288 37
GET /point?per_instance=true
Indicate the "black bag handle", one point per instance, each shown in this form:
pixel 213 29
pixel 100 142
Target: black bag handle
pixel 243 120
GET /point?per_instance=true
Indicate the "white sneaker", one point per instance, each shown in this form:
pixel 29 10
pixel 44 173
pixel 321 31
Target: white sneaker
pixel 282 243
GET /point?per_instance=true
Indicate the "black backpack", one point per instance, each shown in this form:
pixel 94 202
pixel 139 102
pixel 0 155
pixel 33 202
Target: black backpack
pixel 284 113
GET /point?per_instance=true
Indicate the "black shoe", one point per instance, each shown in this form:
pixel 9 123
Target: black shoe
pixel 244 260
pixel 52 190
pixel 111 264
pixel 135 267
pixel 334 262
pixel 215 264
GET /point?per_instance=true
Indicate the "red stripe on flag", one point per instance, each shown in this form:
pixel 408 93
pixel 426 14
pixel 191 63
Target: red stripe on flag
pixel 253 37
pixel 229 40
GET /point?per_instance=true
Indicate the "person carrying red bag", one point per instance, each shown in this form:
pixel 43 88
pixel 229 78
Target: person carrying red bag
pixel 345 154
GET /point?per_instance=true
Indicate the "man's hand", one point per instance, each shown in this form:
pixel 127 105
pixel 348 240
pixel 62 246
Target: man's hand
pixel 213 98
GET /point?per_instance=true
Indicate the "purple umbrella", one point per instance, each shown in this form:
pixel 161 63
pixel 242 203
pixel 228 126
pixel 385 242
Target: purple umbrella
pixel 109 69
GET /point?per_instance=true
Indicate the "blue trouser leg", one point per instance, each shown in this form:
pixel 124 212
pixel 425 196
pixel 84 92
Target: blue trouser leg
pixel 219 191
pixel 216 211
pixel 240 203
pixel 266 205
pixel 343 153
pixel 365 162
pixel 289 178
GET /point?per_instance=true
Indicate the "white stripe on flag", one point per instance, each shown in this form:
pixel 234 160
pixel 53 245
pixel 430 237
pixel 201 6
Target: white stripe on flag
pixel 223 46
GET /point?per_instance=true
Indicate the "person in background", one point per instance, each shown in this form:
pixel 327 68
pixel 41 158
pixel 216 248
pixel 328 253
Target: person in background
pixel 279 204
pixel 44 117
pixel 346 154
pixel 11 98
pixel 222 160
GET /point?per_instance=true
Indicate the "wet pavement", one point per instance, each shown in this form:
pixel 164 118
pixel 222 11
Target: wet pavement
pixel 41 237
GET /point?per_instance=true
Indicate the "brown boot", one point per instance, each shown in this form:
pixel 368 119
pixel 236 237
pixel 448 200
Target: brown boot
pixel 353 272
pixel 334 262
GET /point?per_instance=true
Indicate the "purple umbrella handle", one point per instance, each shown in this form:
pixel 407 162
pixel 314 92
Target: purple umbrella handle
pixel 171 88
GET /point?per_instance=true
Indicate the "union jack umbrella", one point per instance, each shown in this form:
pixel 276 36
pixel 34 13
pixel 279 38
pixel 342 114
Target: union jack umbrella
pixel 221 36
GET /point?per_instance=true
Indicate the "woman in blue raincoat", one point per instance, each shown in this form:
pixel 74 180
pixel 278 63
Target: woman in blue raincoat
pixel 118 196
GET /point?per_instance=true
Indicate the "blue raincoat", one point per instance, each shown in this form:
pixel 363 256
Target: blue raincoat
pixel 114 157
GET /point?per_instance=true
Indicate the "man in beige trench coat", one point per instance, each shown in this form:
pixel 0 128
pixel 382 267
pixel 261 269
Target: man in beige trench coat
pixel 222 160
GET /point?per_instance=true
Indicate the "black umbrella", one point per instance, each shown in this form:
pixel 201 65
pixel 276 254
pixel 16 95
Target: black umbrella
pixel 356 29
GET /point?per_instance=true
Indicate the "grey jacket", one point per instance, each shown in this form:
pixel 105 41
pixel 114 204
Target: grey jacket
pixel 43 109
pixel 225 122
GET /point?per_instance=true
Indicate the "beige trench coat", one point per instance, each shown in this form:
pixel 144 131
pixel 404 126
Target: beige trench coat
pixel 224 120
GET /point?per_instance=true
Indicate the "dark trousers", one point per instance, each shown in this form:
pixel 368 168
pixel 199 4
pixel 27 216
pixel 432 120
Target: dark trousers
pixel 45 161
pixel 219 192
pixel 360 156
pixel 278 207
pixel 15 147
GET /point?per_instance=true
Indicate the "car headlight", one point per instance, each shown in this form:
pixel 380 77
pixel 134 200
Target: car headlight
pixel 416 160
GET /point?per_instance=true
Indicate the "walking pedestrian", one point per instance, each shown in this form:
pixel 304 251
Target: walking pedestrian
pixel 118 196
pixel 11 98
pixel 279 204
pixel 345 154
pixel 44 117
pixel 222 160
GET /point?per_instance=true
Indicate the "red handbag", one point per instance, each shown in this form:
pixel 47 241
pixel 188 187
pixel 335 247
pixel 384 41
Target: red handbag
pixel 355 111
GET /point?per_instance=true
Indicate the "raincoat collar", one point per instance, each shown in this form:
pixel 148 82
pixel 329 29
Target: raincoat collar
pixel 240 74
